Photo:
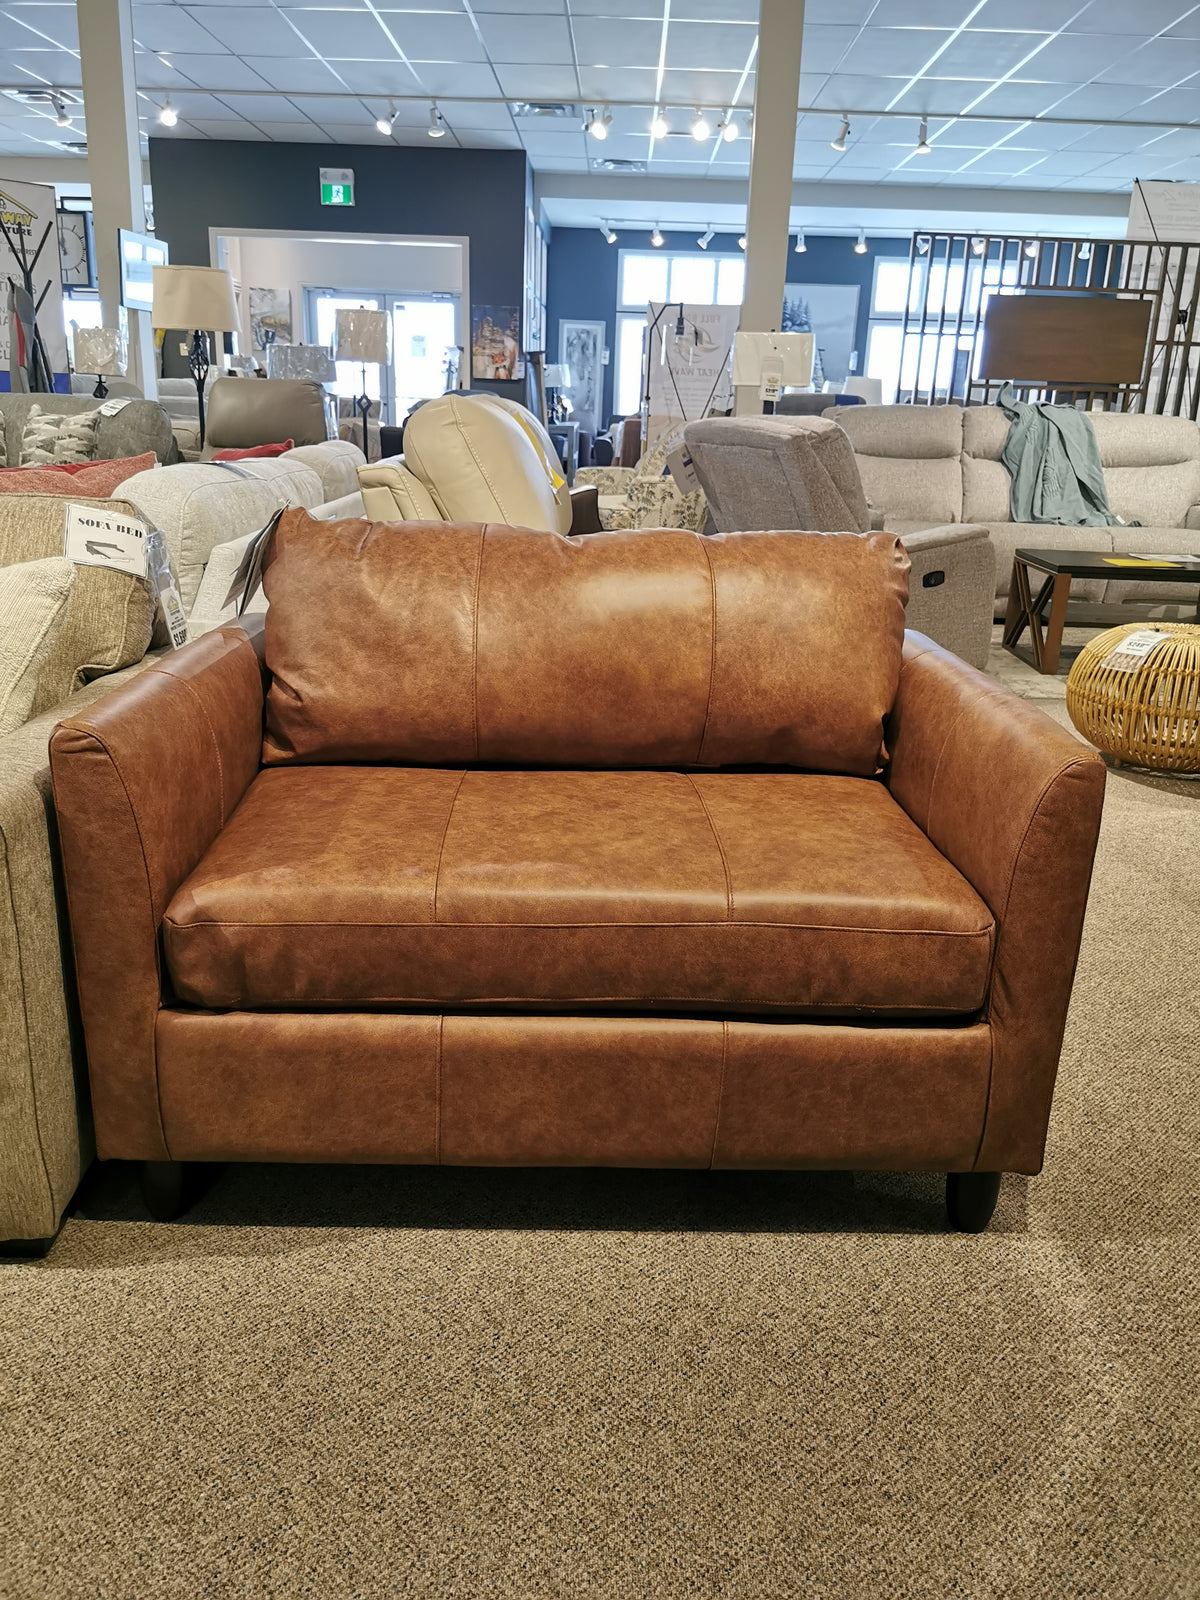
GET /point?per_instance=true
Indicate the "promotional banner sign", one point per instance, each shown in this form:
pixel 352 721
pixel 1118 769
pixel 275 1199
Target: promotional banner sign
pixel 31 291
pixel 687 362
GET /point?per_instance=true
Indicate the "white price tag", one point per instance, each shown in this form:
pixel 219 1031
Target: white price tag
pixel 98 538
pixel 117 403
pixel 162 580
pixel 771 381
pixel 1133 650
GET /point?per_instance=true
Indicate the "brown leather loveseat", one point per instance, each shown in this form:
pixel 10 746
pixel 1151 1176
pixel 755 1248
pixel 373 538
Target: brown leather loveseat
pixel 644 849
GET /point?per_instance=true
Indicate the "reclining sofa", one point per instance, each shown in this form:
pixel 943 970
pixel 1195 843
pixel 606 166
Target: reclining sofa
pixel 495 847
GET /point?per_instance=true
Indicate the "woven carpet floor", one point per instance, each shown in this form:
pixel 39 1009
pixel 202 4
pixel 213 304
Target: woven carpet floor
pixel 360 1383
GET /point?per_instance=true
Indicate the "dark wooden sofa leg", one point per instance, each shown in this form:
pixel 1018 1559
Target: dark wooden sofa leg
pixel 165 1189
pixel 971 1199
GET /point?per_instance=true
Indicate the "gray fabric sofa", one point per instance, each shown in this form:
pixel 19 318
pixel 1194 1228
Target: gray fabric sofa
pixel 923 466
pixel 140 426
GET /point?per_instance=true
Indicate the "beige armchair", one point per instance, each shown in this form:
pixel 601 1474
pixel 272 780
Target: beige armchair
pixel 476 458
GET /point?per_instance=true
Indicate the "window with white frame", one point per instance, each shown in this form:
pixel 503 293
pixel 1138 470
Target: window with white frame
pixel 955 298
pixel 643 276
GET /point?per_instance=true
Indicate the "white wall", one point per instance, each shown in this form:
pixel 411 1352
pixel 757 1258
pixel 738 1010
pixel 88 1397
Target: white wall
pixel 295 264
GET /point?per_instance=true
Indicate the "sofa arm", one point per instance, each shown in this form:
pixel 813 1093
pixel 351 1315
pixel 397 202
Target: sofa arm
pixel 391 493
pixel 606 480
pixel 585 510
pixel 144 780
pixel 1014 801
pixel 1192 520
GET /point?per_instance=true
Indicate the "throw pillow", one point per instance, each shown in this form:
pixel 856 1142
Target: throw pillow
pixel 51 438
pixel 259 450
pixel 94 479
pixel 33 607
pixel 110 615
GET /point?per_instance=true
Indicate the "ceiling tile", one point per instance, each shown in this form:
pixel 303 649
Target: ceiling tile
pixel 434 36
pixel 842 89
pixel 467 116
pixel 1144 18
pixel 521 40
pixel 855 12
pixel 920 13
pixel 472 78
pixel 693 87
pixel 1159 65
pixel 1076 57
pixel 705 10
pixel 1019 99
pixel 218 72
pixel 171 28
pixel 893 51
pixel 1027 16
pixel 268 108
pixel 380 77
pixel 708 44
pixel 1172 105
pixel 152 72
pixel 599 43
pixel 825 45
pixel 548 8
pixel 341 35
pixel 256 30
pixel 39 27
pixel 230 130
pixel 534 83
pixel 1103 100
pixel 989 55
pixel 619 83
pixel 296 132
pixel 1069 163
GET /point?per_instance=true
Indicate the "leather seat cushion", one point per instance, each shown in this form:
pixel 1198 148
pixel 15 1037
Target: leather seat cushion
pixel 643 891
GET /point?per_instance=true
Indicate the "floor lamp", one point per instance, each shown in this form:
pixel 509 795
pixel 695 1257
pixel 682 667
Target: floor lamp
pixel 199 298
pixel 362 336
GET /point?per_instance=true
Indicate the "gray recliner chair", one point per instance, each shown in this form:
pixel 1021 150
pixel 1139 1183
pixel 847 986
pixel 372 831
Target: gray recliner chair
pixel 800 472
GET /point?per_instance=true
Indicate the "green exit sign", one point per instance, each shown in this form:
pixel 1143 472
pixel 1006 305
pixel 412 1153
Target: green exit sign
pixel 337 186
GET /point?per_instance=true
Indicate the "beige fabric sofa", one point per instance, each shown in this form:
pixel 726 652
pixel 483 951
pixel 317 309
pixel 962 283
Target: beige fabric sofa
pixel 923 466
pixel 45 1122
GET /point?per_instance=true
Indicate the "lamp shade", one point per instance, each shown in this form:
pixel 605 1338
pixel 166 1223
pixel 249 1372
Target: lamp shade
pixel 99 350
pixel 311 361
pixel 362 336
pixel 194 297
pixel 558 376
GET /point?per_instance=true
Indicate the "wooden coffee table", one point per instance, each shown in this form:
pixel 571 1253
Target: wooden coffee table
pixel 1027 610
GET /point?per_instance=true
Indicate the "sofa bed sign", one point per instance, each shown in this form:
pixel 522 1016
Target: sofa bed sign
pixel 98 538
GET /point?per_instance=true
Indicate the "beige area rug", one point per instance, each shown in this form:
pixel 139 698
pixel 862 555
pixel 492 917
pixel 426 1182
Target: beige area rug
pixel 332 1383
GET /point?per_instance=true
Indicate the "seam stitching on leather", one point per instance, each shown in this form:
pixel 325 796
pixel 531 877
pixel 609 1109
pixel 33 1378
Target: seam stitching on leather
pixel 437 1108
pixel 554 927
pixel 950 732
pixel 475 640
pixel 437 871
pixel 483 472
pixel 185 683
pixel 712 828
pixel 712 656
pixel 712 1155
pixel 154 917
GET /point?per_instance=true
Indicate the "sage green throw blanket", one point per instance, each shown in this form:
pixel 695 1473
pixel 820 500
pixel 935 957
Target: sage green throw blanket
pixel 1054 464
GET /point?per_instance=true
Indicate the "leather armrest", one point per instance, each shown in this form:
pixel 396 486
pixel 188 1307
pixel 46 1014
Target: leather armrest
pixel 144 780
pixel 1014 801
pixel 585 509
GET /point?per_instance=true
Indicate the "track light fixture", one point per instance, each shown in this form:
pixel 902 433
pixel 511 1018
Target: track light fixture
pixel 701 127
pixel 924 148
pixel 801 246
pixel 860 244
pixel 839 143
pixel 923 243
pixel 167 114
pixel 62 117
pixel 742 242
pixel 728 129
pixel 706 238
pixel 1031 248
pixel 659 126
pixel 978 245
pixel 610 235
pixel 656 238
pixel 599 123
pixel 437 123
pixel 1085 251
pixel 384 124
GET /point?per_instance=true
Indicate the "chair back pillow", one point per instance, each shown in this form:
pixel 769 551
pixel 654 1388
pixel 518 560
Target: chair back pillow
pixel 446 644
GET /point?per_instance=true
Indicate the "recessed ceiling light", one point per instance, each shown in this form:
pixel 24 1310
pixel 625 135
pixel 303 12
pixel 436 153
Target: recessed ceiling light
pixel 701 127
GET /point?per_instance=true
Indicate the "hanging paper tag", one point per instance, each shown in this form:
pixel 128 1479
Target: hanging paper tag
pixel 679 465
pixel 770 380
pixel 1132 651
pixel 162 581
pixel 98 538
pixel 117 403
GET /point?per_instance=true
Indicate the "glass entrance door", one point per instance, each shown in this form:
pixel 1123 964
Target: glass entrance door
pixel 424 338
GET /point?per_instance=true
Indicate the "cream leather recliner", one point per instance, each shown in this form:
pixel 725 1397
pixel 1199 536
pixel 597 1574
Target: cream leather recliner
pixel 477 458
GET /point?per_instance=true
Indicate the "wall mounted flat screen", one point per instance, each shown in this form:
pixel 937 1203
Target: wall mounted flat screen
pixel 140 253
pixel 1090 340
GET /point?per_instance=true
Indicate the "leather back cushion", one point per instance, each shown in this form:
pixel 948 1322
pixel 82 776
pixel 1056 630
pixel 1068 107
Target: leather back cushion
pixel 483 462
pixel 441 644
pixel 909 459
pixel 241 412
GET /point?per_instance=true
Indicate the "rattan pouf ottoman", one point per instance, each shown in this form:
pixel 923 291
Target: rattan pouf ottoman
pixel 1144 713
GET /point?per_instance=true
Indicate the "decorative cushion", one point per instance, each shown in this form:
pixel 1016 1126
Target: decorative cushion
pixel 52 437
pixel 250 454
pixel 438 644
pixel 110 615
pixel 94 479
pixel 33 605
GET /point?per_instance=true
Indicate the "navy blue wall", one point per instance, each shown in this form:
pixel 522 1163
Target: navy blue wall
pixel 200 184
pixel 583 277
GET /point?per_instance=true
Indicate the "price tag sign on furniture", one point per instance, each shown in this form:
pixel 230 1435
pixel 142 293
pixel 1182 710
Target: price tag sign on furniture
pixel 98 538
pixel 1133 650
pixel 337 186
pixel 771 381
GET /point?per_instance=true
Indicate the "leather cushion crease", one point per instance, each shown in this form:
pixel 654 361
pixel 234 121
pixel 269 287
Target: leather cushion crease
pixel 349 886
pixel 439 644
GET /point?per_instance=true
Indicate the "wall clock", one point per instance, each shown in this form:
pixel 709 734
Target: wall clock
pixel 75 249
